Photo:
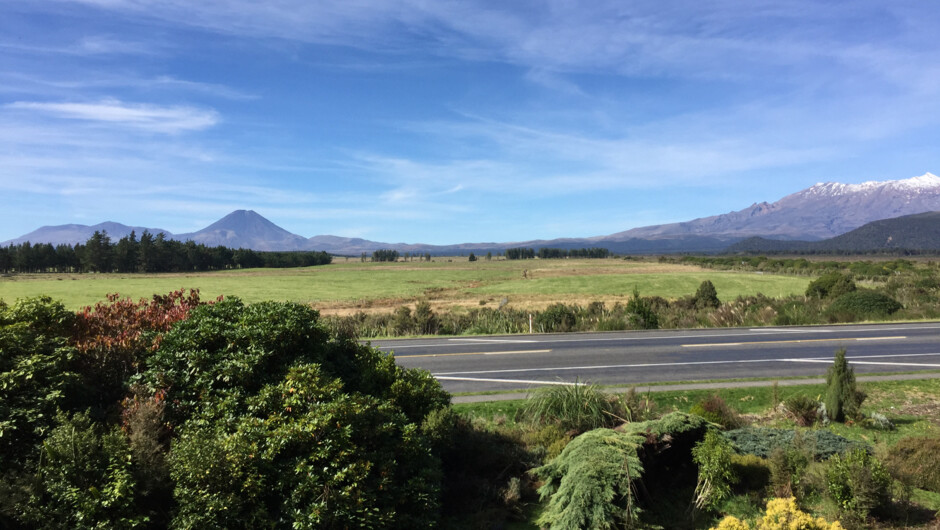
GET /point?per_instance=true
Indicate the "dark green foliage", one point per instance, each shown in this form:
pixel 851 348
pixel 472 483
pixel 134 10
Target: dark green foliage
pixel 590 484
pixel 36 374
pixel 706 296
pixel 556 317
pixel 761 441
pixel 831 285
pixel 230 350
pixel 560 253
pixel 753 472
pixel 788 465
pixel 673 425
pixel 421 321
pixel 802 409
pixel 714 409
pixel 863 304
pixel 402 321
pixel 914 461
pixel 485 471
pixel 385 255
pixel 84 479
pixel 278 422
pixel 578 407
pixel 670 475
pixel 472 257
pixel 715 472
pixel 843 399
pixel 148 254
pixel 859 484
pixel 520 253
pixel 640 312
pixel 311 454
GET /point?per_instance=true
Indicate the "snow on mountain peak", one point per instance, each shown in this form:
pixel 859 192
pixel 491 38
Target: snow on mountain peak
pixel 927 181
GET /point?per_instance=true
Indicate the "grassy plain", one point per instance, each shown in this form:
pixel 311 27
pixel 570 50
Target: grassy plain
pixel 348 286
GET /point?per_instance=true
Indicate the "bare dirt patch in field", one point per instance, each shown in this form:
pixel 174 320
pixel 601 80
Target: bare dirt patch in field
pixel 929 411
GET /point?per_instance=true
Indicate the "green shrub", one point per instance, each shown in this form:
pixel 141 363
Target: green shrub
pixel 788 465
pixel 715 410
pixel 843 399
pixel 715 472
pixel 671 425
pixel 37 375
pixel 309 455
pixel 578 407
pixel 859 484
pixel 547 440
pixel 84 479
pixel 802 409
pixel 753 472
pixel 590 484
pixel 402 321
pixel 831 285
pixel 761 441
pixel 640 312
pixel 864 304
pixel 557 317
pixel 229 351
pixel 706 296
pixel 425 320
pixel 913 460
pixel 796 312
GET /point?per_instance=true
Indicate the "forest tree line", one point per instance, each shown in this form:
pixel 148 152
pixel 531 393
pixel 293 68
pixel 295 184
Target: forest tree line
pixel 150 253
pixel 556 253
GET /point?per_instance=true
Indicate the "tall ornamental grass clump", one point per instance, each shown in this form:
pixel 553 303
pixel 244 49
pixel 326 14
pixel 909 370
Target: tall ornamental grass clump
pixel 578 407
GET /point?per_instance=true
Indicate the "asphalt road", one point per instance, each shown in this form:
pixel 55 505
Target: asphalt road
pixel 520 362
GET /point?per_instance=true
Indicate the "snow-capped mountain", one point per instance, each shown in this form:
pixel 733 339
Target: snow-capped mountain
pixel 821 211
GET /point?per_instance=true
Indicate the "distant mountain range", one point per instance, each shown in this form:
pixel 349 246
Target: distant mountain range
pixel 818 212
pixel 918 232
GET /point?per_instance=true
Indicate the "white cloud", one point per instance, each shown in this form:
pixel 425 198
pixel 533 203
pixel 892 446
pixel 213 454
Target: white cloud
pixel 146 117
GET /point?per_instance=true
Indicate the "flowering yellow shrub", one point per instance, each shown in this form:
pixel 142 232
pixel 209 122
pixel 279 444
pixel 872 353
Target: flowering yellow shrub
pixel 781 514
pixel 732 523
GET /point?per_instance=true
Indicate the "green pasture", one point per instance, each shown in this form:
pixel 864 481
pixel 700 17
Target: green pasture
pixel 669 285
pixel 364 283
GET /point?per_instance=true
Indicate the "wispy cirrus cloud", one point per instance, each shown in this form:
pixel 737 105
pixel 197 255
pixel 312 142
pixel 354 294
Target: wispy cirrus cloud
pixel 666 38
pixel 141 116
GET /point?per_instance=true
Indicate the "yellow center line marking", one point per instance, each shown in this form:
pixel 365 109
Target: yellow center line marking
pixel 789 341
pixel 474 353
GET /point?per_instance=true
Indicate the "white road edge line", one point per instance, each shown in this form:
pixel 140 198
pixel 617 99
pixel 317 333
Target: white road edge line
pixel 601 367
pixel 688 363
pixel 494 341
pixel 882 363
pixel 518 381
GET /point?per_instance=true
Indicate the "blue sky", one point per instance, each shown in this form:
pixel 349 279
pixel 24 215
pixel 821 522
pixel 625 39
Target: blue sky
pixel 440 121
